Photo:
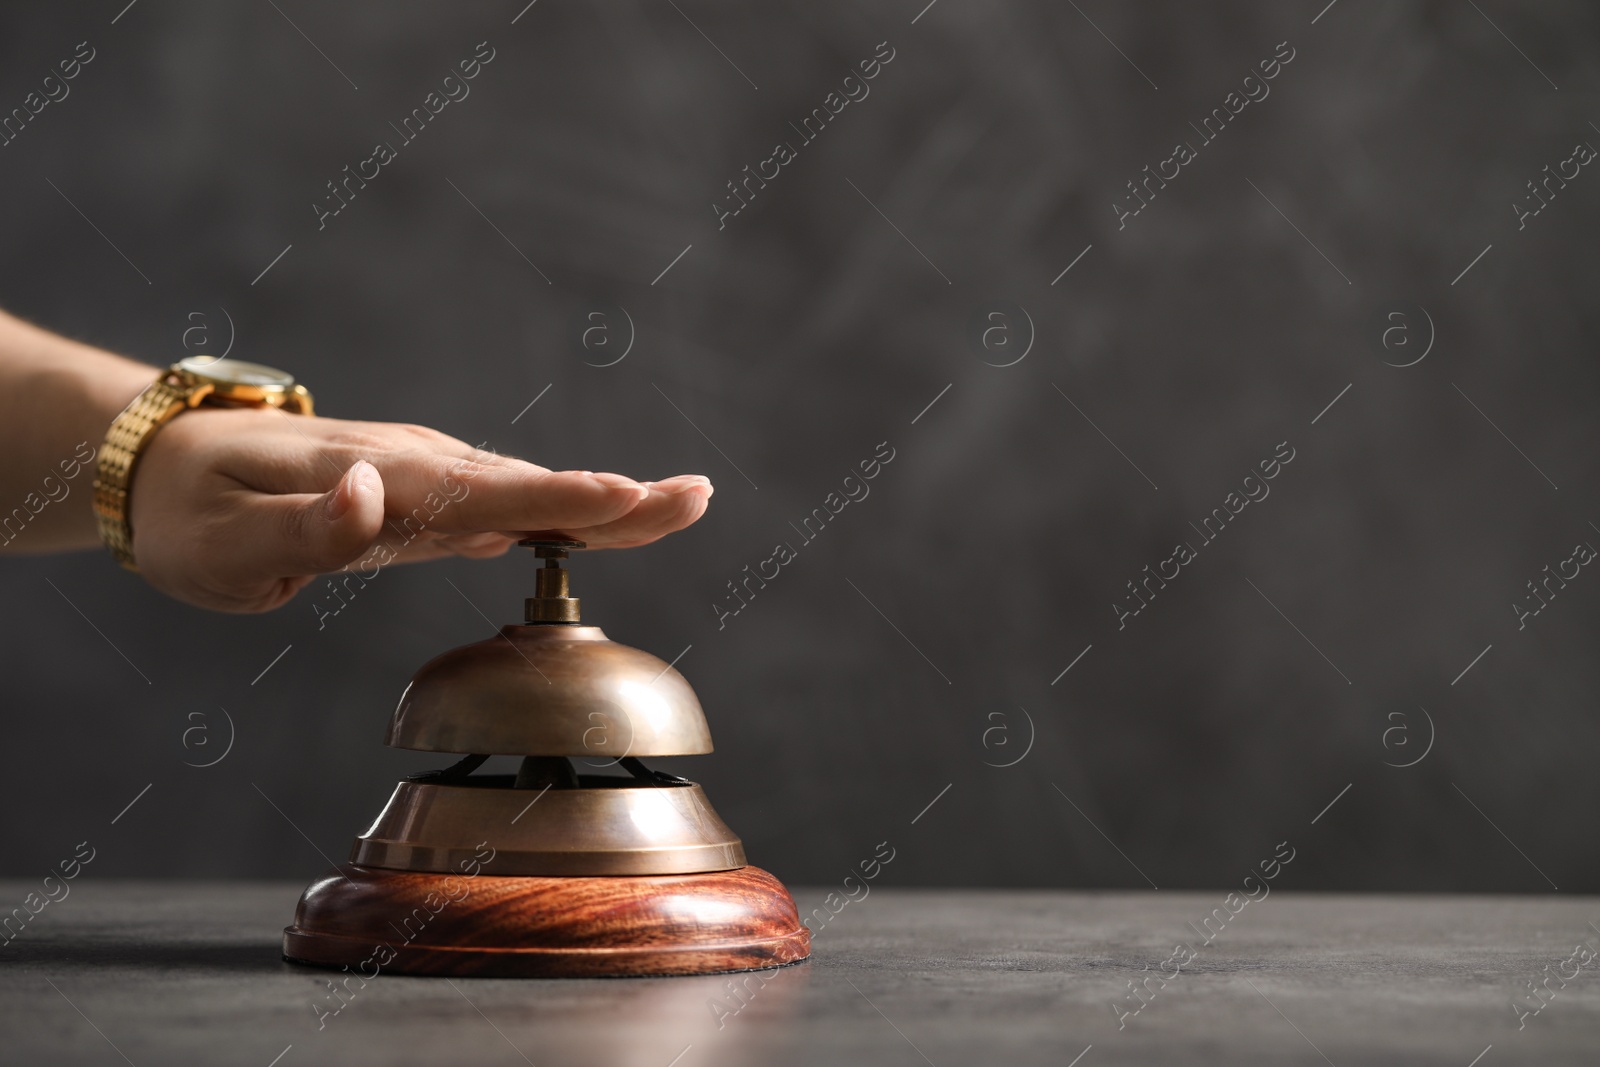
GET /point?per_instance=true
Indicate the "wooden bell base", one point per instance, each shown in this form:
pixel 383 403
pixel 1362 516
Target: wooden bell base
pixel 373 921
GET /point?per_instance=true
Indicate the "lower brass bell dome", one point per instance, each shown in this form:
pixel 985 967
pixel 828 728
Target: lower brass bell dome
pixel 608 826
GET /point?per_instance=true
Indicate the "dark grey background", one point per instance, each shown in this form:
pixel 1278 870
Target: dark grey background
pixel 1178 751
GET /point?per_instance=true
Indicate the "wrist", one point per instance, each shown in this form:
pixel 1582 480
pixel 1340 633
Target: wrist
pixel 109 384
pixel 57 400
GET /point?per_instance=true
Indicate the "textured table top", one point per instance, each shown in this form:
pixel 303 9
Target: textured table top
pixel 189 973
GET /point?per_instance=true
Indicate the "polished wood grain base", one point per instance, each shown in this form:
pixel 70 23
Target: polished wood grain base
pixel 374 921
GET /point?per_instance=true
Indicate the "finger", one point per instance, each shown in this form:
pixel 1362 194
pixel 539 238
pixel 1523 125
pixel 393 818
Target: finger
pixel 673 504
pixel 447 496
pixel 668 508
pixel 293 535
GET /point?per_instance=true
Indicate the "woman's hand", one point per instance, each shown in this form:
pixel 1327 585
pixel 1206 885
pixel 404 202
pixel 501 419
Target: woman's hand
pixel 238 509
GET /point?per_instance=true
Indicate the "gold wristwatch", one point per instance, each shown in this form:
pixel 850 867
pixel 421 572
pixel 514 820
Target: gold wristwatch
pixel 186 384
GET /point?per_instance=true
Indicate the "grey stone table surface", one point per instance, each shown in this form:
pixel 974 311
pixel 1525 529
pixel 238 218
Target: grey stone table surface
pixel 189 973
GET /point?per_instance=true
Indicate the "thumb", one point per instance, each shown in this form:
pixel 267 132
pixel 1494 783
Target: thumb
pixel 296 535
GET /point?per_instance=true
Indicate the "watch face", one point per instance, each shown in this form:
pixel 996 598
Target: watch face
pixel 237 372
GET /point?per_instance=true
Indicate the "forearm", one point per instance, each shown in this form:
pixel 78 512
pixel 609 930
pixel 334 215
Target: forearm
pixel 57 397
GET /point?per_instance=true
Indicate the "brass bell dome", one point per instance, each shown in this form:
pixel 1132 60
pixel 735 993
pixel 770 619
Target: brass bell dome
pixel 551 687
pixel 550 690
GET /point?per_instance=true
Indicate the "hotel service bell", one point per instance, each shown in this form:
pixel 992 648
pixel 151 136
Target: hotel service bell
pixel 548 872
